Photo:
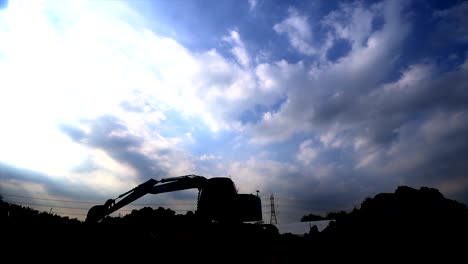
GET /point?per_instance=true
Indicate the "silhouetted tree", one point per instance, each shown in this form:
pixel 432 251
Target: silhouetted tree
pixel 311 217
pixel 336 215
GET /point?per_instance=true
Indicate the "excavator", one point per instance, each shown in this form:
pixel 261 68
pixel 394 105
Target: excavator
pixel 218 199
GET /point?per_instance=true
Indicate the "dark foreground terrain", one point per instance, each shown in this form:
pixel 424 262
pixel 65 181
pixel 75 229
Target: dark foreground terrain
pixel 408 225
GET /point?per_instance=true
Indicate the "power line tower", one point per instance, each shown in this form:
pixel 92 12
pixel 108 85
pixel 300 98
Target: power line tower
pixel 273 219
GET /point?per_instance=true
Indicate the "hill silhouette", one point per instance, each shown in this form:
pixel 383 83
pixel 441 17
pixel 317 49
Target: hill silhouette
pixel 407 211
pixel 409 222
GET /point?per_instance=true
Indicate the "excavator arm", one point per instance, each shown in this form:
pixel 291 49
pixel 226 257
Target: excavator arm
pixel 152 186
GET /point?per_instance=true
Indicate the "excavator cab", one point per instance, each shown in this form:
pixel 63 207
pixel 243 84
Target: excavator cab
pixel 219 201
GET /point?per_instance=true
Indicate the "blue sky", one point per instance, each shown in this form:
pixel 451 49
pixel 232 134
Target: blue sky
pixel 322 103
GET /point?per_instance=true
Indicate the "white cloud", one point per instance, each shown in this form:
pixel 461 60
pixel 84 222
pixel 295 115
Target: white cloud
pixel 322 95
pixel 75 64
pixel 331 139
pixel 412 77
pixel 88 59
pixel 210 157
pixel 115 176
pixel 252 5
pixel 238 49
pixel 352 22
pixel 262 174
pixel 70 63
pixel 298 30
pixel 190 137
pixel 307 153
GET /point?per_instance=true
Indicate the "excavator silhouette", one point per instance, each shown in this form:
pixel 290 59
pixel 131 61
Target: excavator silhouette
pixel 218 199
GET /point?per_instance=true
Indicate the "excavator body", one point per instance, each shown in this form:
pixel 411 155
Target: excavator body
pixel 218 199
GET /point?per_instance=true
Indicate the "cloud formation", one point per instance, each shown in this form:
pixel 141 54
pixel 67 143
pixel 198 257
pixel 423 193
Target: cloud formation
pixel 92 97
pixel 297 29
pixel 252 5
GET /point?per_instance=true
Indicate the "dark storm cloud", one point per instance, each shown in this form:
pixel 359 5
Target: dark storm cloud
pixel 342 187
pixel 109 134
pixel 432 150
pixel 427 88
pixel 379 114
pixel 453 24
pixel 415 131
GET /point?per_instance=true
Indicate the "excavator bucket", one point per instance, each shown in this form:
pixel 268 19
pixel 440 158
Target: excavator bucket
pixel 96 213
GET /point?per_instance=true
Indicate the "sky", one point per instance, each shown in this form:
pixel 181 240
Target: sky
pixel 320 103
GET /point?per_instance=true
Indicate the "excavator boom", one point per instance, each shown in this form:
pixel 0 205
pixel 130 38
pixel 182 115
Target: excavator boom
pixel 151 186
